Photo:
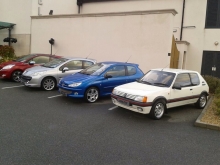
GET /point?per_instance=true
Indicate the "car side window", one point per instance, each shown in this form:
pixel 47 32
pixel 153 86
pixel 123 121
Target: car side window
pixel 183 80
pixel 73 65
pixel 194 78
pixel 116 71
pixel 41 59
pixel 131 70
pixel 86 64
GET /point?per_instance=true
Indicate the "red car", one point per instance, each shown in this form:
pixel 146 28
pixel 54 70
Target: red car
pixel 14 69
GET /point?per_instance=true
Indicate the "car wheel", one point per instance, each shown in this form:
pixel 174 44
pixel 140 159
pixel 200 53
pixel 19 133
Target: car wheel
pixel 16 76
pixel 157 109
pixel 91 95
pixel 201 103
pixel 48 83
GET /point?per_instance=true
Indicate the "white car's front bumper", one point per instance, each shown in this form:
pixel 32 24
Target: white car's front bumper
pixel 132 106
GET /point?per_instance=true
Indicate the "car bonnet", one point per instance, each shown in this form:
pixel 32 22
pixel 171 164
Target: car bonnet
pixel 35 69
pixel 136 88
pixel 78 77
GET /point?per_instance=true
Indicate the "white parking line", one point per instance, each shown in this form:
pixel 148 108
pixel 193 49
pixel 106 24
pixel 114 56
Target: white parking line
pixel 13 87
pixel 110 109
pixel 54 96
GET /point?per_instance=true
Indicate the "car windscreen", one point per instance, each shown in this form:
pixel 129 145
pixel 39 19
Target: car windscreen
pixel 24 58
pixel 95 70
pixel 54 63
pixel 158 78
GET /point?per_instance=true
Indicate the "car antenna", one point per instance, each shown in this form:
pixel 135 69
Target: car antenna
pixel 128 59
pixel 164 67
pixel 56 52
pixel 88 55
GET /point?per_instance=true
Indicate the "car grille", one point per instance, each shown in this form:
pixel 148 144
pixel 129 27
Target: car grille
pixel 126 95
pixel 25 78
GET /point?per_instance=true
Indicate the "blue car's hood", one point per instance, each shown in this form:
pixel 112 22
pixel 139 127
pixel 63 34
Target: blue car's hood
pixel 78 77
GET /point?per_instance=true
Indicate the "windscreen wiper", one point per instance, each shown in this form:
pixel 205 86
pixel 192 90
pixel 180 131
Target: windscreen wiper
pixel 161 84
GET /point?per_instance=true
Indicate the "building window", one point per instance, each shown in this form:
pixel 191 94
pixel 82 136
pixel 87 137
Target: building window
pixel 213 14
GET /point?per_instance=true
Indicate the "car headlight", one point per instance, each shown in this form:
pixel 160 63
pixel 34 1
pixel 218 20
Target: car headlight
pixel 142 99
pixel 75 84
pixel 38 73
pixel 8 66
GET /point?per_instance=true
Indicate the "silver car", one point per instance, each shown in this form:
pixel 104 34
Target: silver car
pixel 48 75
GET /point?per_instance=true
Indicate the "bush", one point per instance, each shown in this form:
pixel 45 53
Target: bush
pixel 213 82
pixel 7 53
pixel 217 105
pixel 214 88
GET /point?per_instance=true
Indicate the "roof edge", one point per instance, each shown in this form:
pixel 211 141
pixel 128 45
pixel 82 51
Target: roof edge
pixel 145 12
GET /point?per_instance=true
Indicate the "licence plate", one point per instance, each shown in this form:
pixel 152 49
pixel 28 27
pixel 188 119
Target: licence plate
pixel 123 102
pixel 64 92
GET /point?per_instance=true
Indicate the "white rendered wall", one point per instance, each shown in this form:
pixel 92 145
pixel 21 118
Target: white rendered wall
pixel 200 39
pixel 17 12
pixel 146 39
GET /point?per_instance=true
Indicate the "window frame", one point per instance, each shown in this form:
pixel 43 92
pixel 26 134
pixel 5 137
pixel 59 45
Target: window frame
pixel 218 17
pixel 116 66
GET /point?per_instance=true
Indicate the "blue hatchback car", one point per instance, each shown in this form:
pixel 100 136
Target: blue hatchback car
pixel 98 80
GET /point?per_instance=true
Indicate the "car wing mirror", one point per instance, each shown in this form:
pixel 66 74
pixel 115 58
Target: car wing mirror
pixel 31 62
pixel 177 86
pixel 65 69
pixel 108 76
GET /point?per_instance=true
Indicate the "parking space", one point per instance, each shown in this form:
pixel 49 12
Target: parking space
pixel 40 127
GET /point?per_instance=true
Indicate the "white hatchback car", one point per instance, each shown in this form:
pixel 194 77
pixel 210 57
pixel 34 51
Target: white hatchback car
pixel 160 89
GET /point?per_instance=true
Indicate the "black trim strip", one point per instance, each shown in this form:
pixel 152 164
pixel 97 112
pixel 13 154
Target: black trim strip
pixel 151 103
pixel 183 98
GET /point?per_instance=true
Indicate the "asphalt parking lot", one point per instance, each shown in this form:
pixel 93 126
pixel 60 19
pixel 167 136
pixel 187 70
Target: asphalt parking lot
pixel 40 127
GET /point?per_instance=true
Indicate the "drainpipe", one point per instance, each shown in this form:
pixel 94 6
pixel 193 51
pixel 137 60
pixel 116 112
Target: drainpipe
pixel 181 32
pixel 9 36
pixel 78 9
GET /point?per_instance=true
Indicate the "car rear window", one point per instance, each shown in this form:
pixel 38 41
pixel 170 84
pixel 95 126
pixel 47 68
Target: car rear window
pixel 194 78
pixel 131 70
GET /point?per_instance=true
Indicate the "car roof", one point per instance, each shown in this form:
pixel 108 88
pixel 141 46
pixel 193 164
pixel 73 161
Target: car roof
pixel 118 63
pixel 175 70
pixel 38 54
pixel 79 58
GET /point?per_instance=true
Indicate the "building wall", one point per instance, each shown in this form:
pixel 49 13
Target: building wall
pixel 195 12
pixel 141 38
pixel 17 12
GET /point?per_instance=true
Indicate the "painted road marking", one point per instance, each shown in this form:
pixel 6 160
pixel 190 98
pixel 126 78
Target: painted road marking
pixel 13 87
pixel 54 96
pixel 110 109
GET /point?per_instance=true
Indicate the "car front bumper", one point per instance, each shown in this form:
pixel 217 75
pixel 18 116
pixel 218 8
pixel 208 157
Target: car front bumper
pixel 71 92
pixel 143 108
pixel 31 81
pixel 5 74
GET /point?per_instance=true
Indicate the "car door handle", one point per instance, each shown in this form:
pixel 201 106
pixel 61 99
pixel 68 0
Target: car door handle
pixel 191 89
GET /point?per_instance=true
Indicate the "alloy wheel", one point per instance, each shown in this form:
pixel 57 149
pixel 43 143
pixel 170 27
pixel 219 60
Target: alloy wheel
pixel 16 76
pixel 92 95
pixel 48 84
pixel 159 110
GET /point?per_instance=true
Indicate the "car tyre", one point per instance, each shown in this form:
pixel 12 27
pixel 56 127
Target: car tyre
pixel 16 76
pixel 158 109
pixel 92 95
pixel 48 83
pixel 202 101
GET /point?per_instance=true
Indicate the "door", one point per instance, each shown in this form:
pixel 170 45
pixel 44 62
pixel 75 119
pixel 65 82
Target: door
pixel 183 96
pixel 174 59
pixel 74 66
pixel 211 63
pixel 116 77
